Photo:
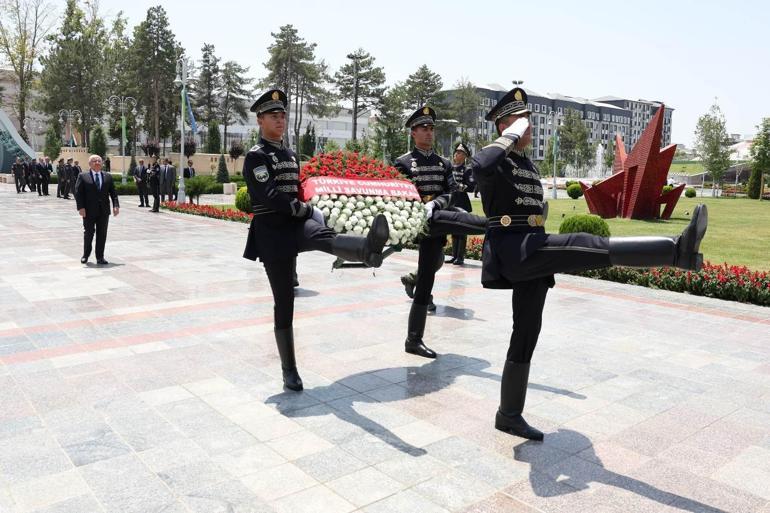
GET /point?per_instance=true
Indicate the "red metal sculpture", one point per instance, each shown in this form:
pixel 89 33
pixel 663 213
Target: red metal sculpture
pixel 635 188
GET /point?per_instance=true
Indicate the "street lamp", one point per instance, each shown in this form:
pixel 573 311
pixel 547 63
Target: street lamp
pixel 181 81
pixel 121 102
pixel 555 127
pixel 68 114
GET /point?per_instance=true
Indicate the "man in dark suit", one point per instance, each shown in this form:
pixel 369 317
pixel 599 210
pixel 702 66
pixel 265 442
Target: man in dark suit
pixel 93 191
pixel 44 170
pixel 167 180
pixel 140 177
pixel 60 179
pixel 189 171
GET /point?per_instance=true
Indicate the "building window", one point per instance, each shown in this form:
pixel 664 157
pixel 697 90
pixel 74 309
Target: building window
pixel 537 107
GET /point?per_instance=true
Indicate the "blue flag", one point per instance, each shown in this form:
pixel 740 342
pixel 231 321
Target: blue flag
pixel 193 124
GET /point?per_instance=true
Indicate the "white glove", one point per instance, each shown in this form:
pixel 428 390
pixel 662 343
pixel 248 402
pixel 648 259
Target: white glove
pixel 517 128
pixel 318 216
pixel 429 206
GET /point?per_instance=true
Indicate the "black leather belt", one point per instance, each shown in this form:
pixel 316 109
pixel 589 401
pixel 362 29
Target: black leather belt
pixel 516 221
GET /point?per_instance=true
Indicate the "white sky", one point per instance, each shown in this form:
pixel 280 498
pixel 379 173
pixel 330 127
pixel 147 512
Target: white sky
pixel 684 53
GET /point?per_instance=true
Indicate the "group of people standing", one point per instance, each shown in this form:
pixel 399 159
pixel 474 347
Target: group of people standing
pixel 32 175
pixel 158 179
pixel 517 253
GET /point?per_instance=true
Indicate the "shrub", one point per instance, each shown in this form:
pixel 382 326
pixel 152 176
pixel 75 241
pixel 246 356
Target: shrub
pixel 667 189
pixel 585 223
pixel 243 200
pixel 223 175
pixel 574 190
pixel 98 142
pixel 755 182
pixel 214 142
pixel 196 186
pixel 689 192
pixel 127 189
pixel 214 187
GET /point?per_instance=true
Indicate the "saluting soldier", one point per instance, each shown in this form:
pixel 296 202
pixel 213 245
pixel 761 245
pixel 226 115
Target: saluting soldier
pixel 519 255
pixel 434 179
pixel 284 226
pixel 465 184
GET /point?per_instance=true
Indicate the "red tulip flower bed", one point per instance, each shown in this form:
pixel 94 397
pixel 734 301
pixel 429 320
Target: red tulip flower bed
pixel 208 211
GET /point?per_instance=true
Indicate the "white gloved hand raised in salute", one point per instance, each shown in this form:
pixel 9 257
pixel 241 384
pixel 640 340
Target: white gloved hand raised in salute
pixel 517 128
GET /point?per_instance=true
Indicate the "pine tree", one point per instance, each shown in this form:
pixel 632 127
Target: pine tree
pixel 152 57
pixel 223 175
pixel 204 90
pixel 132 166
pixel 73 73
pixel 423 87
pixel 389 136
pixel 465 106
pixel 609 153
pixel 98 142
pixel 234 93
pixel 53 141
pixel 214 142
pixel 361 82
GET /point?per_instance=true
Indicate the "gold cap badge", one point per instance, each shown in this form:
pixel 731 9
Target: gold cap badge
pixel 426 111
pixel 276 95
pixel 517 95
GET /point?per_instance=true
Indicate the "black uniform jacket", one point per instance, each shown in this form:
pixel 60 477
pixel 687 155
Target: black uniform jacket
pixel 271 172
pixel 512 196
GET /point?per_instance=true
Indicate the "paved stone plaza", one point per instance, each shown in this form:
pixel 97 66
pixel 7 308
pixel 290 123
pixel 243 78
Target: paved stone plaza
pixel 153 385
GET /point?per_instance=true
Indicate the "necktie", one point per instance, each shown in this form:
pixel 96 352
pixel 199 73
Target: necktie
pixel 99 181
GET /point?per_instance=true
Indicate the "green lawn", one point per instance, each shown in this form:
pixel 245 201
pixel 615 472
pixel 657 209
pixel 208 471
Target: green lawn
pixel 738 232
pixel 686 168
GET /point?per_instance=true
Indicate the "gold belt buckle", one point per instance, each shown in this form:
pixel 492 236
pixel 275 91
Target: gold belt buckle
pixel 427 198
pixel 505 220
pixel 535 220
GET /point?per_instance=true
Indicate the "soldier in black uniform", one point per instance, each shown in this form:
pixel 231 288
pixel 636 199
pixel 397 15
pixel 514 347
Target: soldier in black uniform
pixel 60 178
pixel 153 174
pixel 519 255
pixel 465 184
pixel 18 175
pixel 284 226
pixel 69 179
pixel 28 180
pixel 435 182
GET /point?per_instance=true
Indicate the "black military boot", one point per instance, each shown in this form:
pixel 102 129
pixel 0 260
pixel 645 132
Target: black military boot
pixel 513 392
pixel 284 339
pixel 363 249
pixel 681 251
pixel 409 281
pixel 431 304
pixel 415 330
pixel 460 253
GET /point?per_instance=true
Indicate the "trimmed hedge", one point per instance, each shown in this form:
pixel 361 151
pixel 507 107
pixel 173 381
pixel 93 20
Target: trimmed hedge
pixel 243 200
pixel 689 192
pixel 667 188
pixel 585 223
pixel 574 191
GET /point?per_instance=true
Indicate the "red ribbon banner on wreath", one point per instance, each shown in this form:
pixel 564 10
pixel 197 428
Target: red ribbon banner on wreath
pixel 319 185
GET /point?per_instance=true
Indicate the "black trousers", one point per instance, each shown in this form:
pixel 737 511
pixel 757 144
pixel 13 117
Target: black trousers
pixel 431 256
pixel 280 273
pixel 155 197
pixel 58 188
pixel 65 189
pixel 96 225
pixel 142 188
pixel 45 181
pixel 533 277
pixel 19 180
